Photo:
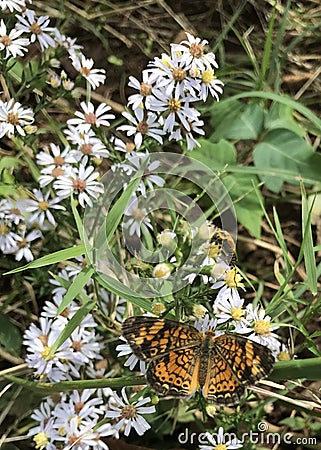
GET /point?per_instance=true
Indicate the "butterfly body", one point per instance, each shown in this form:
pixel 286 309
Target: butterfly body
pixel 181 359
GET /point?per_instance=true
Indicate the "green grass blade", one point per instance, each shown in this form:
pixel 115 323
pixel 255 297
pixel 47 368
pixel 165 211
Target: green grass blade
pixel 53 258
pixel 76 287
pixel 307 244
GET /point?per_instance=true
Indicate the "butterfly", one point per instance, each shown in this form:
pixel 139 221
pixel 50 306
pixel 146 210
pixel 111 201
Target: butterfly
pixel 181 359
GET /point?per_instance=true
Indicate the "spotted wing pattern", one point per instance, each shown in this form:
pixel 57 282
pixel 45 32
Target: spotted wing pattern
pixel 172 350
pixel 234 362
pixel 181 359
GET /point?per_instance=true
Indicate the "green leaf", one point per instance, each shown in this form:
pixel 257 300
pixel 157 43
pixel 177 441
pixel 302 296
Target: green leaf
pixel 246 200
pixel 243 123
pixel 76 287
pixel 10 338
pixel 281 116
pixel 9 162
pixel 295 423
pixel 307 244
pixel 215 156
pixel 123 291
pixel 53 258
pixel 284 149
pixel 72 324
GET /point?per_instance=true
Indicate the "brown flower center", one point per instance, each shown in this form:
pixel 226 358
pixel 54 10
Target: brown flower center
pixel 35 28
pixel 179 74
pixel 196 50
pixel 77 346
pixel 5 40
pixel 142 127
pixel 59 160
pixel 87 149
pixel 145 89
pixel 85 71
pixel 13 118
pixel 57 172
pixel 79 185
pixel 90 118
pixel 129 412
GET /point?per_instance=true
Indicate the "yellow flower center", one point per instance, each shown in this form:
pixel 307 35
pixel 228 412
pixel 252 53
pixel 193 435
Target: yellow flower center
pixel 233 279
pixel 62 431
pixel 43 205
pixel 237 313
pixel 158 308
pixel 41 440
pixel 208 76
pixel 262 327
pixel 199 311
pixel 166 62
pixel 45 353
pixel 129 147
pixel 174 105
pixel 5 40
pixel 283 356
pixel 3 230
pixel 162 270
pixel 220 447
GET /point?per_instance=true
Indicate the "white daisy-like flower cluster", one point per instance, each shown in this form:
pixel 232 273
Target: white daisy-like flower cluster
pixel 170 85
pixel 70 170
pixel 23 221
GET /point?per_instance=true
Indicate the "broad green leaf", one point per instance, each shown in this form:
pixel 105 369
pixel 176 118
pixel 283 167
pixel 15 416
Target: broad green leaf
pixel 244 123
pixel 246 202
pixel 9 162
pixel 215 156
pixel 10 338
pixel 76 287
pixel 53 258
pixel 281 116
pixel 284 149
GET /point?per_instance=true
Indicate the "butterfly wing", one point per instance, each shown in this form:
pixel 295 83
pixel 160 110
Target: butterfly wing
pixel 175 373
pixel 234 363
pixel 172 350
pixel 150 337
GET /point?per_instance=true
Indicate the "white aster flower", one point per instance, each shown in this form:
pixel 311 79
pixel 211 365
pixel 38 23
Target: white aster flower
pixel 12 43
pixel 82 436
pixel 85 346
pixel 24 242
pixel 40 207
pixel 38 342
pixel 38 27
pixel 89 117
pixel 136 218
pixel 145 88
pixel 175 109
pixel 82 405
pixel 55 157
pixel 8 238
pixel 143 124
pixel 13 117
pixel 131 362
pixel 221 440
pixel 81 182
pixel 228 306
pixel 67 42
pixel 129 414
pixel 210 85
pixel 125 147
pixel 12 5
pixel 85 67
pixel 180 134
pixel 192 52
